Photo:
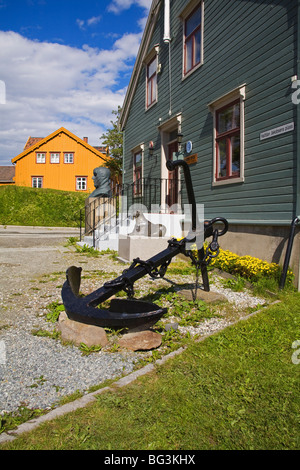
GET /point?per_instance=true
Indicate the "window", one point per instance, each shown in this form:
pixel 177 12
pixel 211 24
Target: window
pixel 69 158
pixel 37 182
pixel 81 183
pixel 228 113
pixel 193 39
pixel 54 157
pixel 40 158
pixel 152 82
pixel 228 143
pixel 137 173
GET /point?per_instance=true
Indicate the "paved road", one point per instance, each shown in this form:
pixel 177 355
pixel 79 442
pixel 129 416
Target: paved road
pixel 34 237
pixel 29 252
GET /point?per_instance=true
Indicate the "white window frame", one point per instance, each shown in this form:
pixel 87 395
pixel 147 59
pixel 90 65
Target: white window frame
pixel 184 16
pixel 151 57
pixel 41 157
pixel 81 183
pixel 69 157
pixel 214 106
pixel 37 182
pixel 54 157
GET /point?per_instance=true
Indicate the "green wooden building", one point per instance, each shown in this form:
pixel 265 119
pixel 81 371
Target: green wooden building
pixel 216 83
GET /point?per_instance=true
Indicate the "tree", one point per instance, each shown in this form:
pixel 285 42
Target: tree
pixel 113 140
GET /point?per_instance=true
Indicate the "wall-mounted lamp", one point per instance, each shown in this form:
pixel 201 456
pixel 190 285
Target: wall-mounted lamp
pixel 179 137
pixel 151 148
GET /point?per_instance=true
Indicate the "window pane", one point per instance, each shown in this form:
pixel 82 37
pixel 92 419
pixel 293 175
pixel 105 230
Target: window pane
pixel 197 47
pixel 153 82
pixel 222 160
pixel 235 155
pixel 152 68
pixel 189 55
pixel 81 184
pixel 193 22
pixel 37 182
pixel 54 157
pixel 229 118
pixel 40 157
pixel 138 160
pixel 68 158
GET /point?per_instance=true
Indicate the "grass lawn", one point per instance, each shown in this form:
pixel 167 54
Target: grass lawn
pixel 238 389
pixel 44 207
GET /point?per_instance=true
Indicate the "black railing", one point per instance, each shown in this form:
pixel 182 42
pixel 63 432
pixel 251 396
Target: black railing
pixel 153 194
pixel 158 192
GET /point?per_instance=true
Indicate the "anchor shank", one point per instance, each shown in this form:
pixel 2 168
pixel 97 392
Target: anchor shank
pixel 130 276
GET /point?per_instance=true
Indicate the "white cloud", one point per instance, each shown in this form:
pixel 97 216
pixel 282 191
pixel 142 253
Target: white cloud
pixel 116 6
pixel 80 23
pixel 51 85
pixel 90 22
pixel 94 20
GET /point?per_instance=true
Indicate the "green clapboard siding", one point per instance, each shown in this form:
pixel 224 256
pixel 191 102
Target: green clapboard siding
pixel 252 42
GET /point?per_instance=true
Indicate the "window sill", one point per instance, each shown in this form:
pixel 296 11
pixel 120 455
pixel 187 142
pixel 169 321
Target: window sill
pixel 188 74
pixel 228 181
pixel 150 106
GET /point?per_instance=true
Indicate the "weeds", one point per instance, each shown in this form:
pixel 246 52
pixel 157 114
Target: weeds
pixel 55 309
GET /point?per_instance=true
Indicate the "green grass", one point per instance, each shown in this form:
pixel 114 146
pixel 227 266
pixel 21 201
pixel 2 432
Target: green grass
pixel 238 389
pixel 44 207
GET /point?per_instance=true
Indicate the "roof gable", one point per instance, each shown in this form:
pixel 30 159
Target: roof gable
pixel 34 143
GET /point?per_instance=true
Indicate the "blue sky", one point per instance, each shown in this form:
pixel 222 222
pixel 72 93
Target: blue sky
pixel 64 63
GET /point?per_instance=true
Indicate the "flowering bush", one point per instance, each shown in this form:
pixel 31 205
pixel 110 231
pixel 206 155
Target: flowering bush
pixel 248 267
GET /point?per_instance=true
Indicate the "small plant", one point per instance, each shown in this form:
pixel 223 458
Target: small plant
pixel 87 250
pixel 113 254
pixel 55 309
pixel 86 350
pixel 236 284
pixel 46 334
pixel 71 241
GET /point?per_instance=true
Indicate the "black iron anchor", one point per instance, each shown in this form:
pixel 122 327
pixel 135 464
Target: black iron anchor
pixel 131 313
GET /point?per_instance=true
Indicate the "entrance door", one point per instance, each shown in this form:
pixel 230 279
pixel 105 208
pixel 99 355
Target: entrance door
pixel 172 190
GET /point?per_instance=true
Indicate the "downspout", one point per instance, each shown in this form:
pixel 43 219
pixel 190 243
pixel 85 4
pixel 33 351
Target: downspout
pixel 167 40
pixel 167 34
pixel 298 116
pixel 296 220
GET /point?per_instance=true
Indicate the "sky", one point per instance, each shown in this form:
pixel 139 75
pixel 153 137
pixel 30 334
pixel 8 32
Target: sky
pixel 64 63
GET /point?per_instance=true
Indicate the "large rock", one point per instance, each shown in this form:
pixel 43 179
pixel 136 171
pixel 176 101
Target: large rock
pixel 78 333
pixel 208 297
pixel 141 340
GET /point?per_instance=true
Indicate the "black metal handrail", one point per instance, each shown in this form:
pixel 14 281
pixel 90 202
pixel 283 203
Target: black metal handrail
pixel 147 192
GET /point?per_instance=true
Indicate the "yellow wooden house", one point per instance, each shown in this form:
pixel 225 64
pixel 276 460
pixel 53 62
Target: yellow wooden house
pixel 60 161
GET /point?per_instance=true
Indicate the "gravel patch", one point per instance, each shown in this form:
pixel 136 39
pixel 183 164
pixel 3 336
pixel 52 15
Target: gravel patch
pixel 38 371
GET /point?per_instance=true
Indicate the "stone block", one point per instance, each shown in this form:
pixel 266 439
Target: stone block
pixel 78 333
pixel 141 340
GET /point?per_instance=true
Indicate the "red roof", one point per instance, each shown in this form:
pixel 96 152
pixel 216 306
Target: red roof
pixel 32 141
pixel 7 174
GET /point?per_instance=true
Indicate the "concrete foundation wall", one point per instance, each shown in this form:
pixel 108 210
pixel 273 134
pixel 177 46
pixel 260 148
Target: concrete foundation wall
pixel 268 243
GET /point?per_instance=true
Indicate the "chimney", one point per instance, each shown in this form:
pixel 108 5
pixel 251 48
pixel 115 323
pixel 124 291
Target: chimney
pixel 86 139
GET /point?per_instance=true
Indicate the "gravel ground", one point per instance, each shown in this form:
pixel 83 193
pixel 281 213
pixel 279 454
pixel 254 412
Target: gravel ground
pixel 37 371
